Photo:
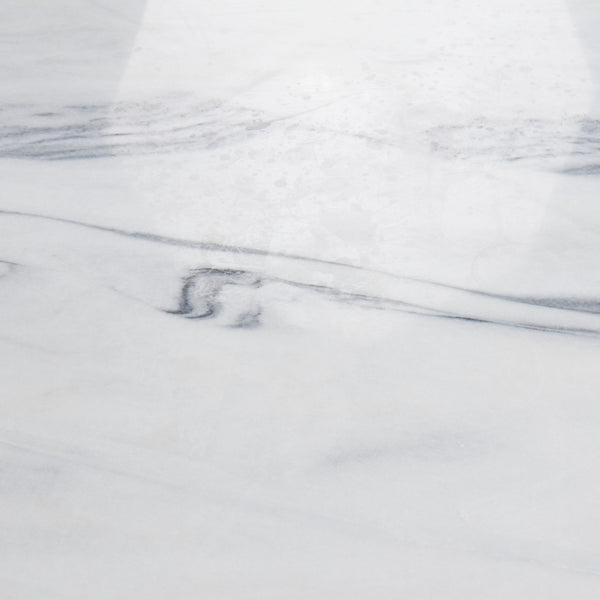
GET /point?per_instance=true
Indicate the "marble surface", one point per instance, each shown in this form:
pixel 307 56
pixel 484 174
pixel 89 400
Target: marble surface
pixel 300 300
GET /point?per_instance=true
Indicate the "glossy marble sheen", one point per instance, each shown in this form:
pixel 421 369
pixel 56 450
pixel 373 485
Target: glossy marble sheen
pixel 299 300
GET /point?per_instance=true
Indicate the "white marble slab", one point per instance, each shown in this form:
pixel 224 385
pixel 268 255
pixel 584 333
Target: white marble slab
pixel 299 300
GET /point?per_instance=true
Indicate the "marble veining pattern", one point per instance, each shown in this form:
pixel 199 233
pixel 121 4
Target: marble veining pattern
pixel 299 301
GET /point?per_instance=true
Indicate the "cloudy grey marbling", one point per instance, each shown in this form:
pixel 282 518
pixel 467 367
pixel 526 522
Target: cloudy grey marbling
pixel 178 124
pixel 546 144
pixel 95 131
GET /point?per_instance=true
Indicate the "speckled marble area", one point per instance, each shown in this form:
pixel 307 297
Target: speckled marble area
pixel 299 300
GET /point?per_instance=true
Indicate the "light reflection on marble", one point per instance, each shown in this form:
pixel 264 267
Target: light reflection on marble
pixel 299 300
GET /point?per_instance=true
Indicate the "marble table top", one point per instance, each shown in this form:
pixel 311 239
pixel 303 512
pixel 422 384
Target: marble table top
pixel 299 300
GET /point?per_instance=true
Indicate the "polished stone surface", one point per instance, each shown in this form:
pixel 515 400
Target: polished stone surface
pixel 300 300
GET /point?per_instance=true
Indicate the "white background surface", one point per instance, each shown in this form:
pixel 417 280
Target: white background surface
pixel 357 162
